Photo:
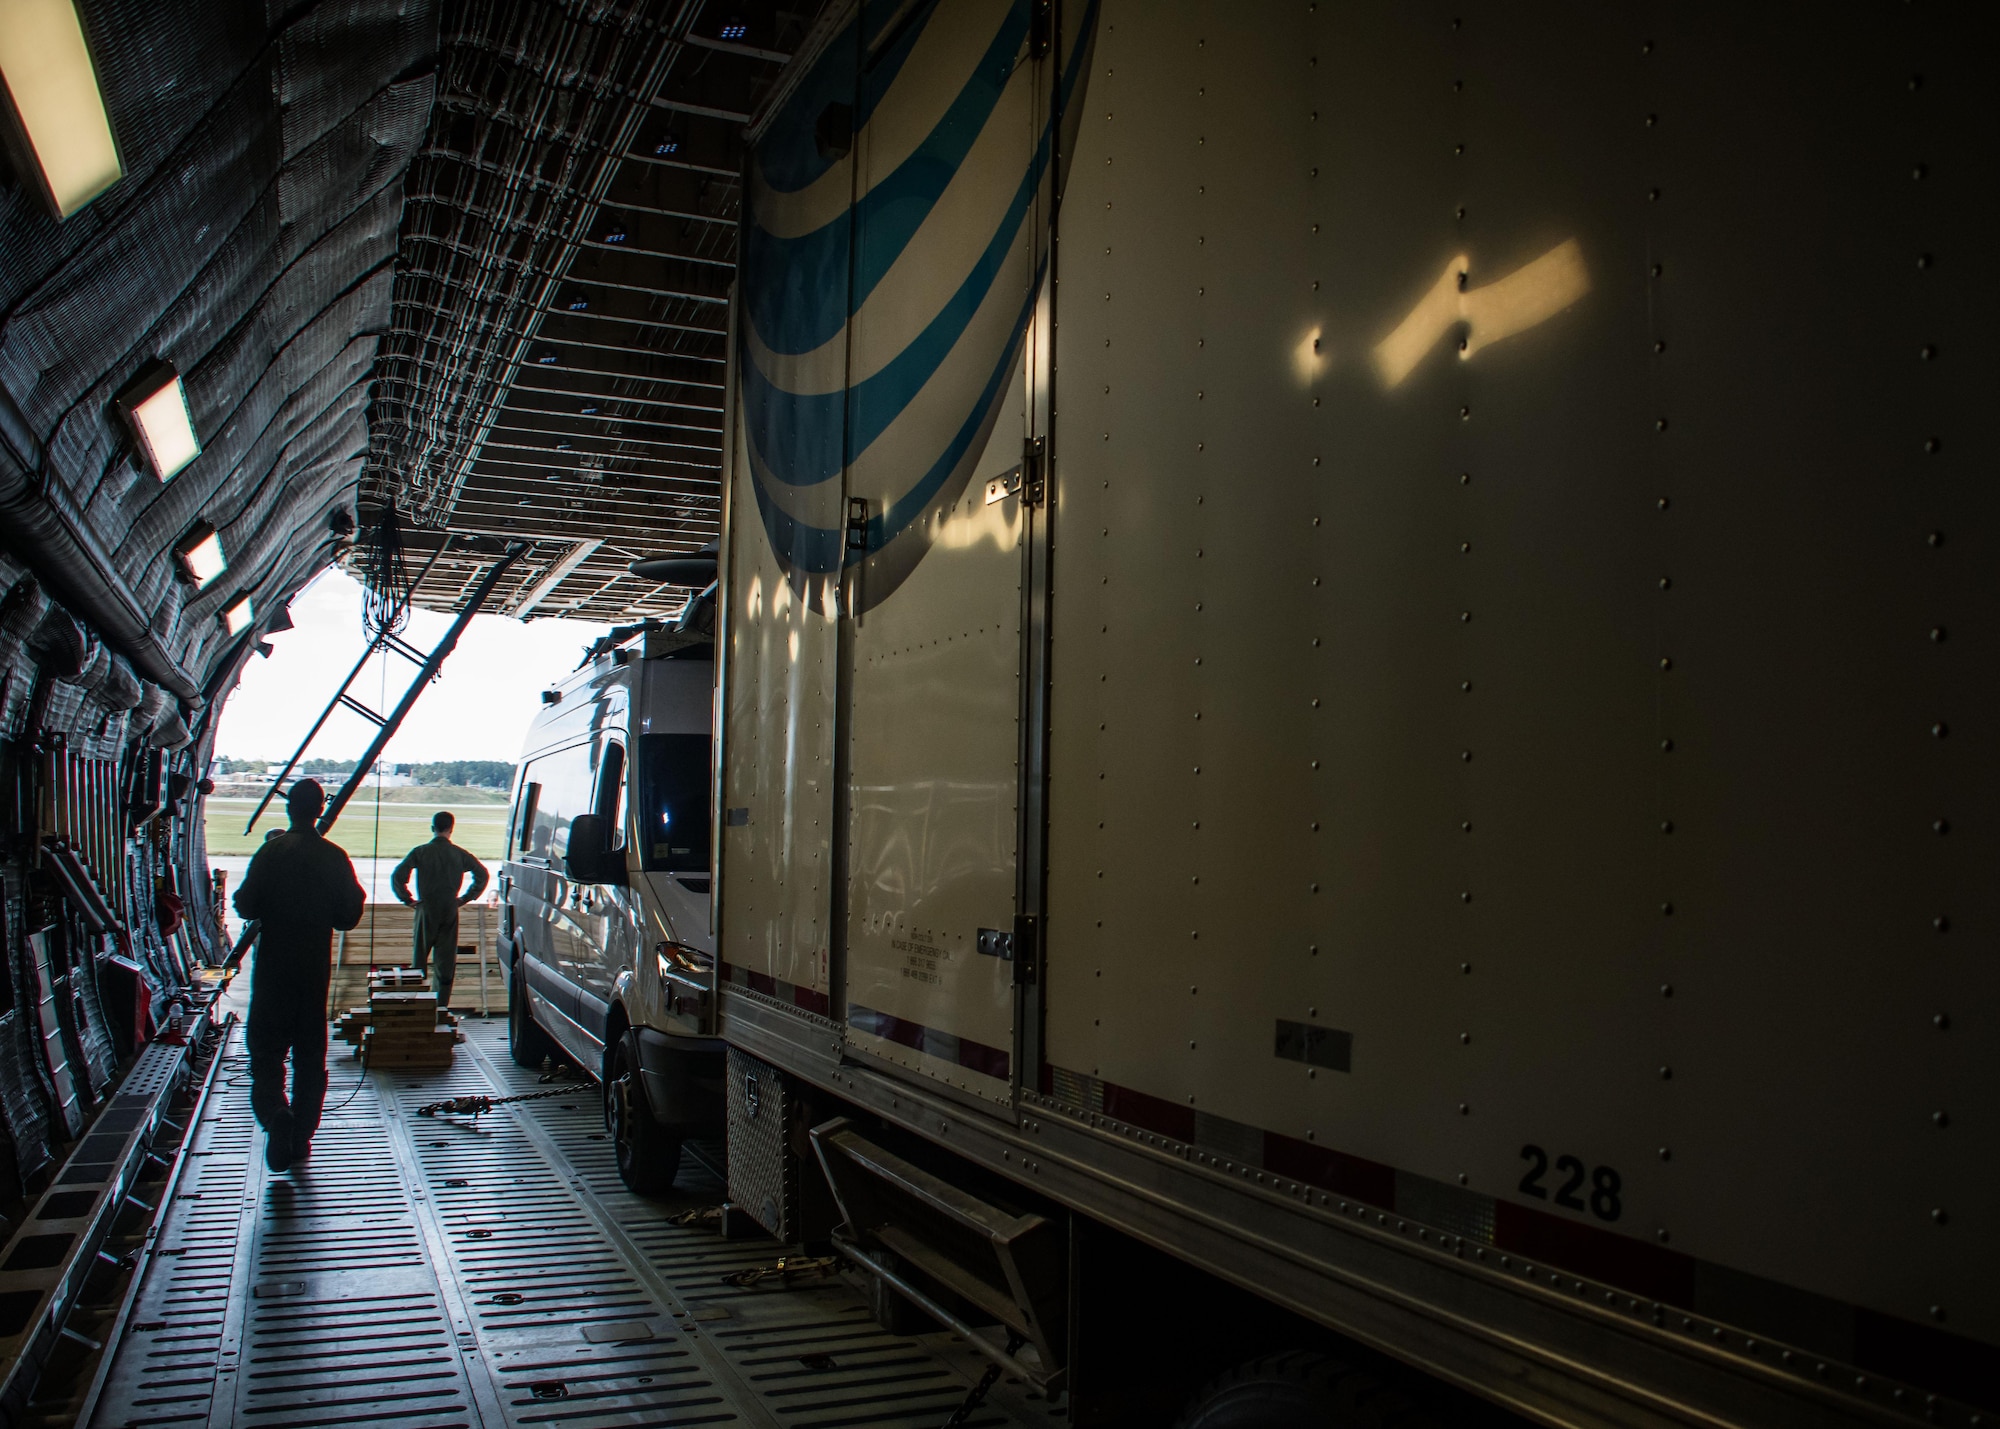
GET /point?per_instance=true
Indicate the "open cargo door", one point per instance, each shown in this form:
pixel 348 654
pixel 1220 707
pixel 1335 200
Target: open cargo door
pixel 941 485
pixel 784 544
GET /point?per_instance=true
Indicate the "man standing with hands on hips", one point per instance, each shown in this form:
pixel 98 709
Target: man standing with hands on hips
pixel 440 866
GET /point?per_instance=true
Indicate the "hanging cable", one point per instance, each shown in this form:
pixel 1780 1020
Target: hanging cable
pixel 385 579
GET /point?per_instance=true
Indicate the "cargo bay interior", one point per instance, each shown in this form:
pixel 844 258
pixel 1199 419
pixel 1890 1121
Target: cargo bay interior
pixel 810 1088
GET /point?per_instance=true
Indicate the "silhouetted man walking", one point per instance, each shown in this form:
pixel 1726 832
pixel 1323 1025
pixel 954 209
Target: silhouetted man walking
pixel 300 887
pixel 440 866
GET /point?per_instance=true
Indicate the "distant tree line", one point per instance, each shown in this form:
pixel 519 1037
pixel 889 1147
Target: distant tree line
pixel 456 773
pixel 314 767
pixel 463 773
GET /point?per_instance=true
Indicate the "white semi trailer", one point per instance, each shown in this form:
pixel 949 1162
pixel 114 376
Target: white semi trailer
pixel 1357 667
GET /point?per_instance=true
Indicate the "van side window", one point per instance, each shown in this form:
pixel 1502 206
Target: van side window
pixel 524 819
pixel 610 801
pixel 567 789
pixel 672 803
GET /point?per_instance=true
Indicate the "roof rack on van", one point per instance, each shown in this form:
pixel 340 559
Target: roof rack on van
pixel 615 637
pixel 694 626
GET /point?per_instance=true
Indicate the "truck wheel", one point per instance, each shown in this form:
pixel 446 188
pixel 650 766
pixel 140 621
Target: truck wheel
pixel 1298 1390
pixel 525 1038
pixel 648 1155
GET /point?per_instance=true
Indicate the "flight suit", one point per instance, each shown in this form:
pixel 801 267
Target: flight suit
pixel 440 866
pixel 299 887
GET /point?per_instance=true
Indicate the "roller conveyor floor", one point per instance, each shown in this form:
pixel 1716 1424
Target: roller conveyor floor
pixel 423 1273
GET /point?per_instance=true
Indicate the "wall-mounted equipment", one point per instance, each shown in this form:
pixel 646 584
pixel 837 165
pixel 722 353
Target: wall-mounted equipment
pixel 149 787
pixel 236 616
pixel 155 406
pixel 57 130
pixel 199 555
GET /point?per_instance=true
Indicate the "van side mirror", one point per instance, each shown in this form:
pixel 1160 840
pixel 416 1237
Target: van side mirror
pixel 589 857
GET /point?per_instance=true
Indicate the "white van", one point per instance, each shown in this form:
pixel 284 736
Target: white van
pixel 605 916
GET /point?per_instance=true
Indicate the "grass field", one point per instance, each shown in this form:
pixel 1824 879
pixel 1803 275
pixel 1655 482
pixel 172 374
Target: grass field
pixel 481 829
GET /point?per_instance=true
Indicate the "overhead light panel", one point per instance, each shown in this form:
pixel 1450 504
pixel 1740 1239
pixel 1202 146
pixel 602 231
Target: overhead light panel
pixel 156 406
pixel 236 618
pixel 199 555
pixel 60 131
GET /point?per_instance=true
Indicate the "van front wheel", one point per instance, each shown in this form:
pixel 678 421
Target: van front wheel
pixel 648 1155
pixel 526 1041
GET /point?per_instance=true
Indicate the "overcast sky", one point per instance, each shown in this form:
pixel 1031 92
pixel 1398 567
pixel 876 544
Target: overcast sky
pixel 479 709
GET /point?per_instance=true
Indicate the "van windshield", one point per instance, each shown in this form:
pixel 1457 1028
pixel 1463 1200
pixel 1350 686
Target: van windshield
pixel 673 809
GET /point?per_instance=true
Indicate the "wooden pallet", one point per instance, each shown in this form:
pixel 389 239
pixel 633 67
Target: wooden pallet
pixel 400 1026
pixel 385 938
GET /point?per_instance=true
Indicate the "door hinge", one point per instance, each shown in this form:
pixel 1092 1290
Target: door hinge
pixel 1006 484
pixel 1034 454
pixel 857 523
pixel 1041 28
pixel 1027 948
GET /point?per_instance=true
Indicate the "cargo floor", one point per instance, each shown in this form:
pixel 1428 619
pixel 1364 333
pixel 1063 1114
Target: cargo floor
pixel 420 1272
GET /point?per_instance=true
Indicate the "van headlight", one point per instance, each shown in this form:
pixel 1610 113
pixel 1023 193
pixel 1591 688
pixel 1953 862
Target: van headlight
pixel 678 958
